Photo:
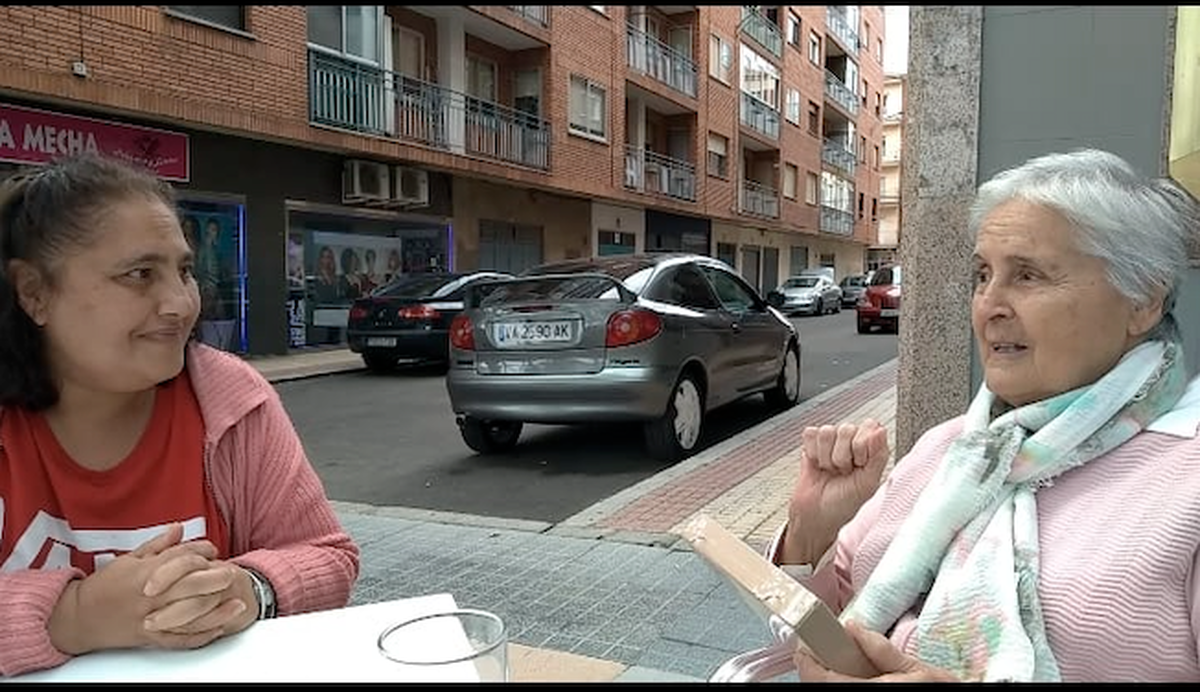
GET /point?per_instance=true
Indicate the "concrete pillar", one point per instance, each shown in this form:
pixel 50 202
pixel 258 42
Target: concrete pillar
pixel 940 164
pixel 452 74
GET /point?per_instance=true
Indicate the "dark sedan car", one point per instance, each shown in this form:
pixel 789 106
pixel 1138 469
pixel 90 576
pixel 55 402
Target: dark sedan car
pixel 659 339
pixel 409 317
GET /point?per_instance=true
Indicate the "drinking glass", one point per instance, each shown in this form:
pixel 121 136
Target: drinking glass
pixel 462 645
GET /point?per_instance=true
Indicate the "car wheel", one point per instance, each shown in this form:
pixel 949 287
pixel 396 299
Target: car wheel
pixel 674 436
pixel 378 362
pixel 786 392
pixel 837 306
pixel 489 436
pixel 863 327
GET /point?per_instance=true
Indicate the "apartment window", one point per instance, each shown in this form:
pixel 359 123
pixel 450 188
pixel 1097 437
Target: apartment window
pixel 347 29
pixel 860 204
pixel 814 48
pixel 718 155
pixel 792 111
pixel 228 16
pixel 866 34
pixel 588 107
pixel 862 149
pixel 878 104
pixel 811 185
pixel 877 157
pixel 720 58
pixel 760 77
pixel 793 29
pixel 879 49
pixel 814 118
pixel 874 209
pixel 863 93
pixel 481 78
pixel 789 180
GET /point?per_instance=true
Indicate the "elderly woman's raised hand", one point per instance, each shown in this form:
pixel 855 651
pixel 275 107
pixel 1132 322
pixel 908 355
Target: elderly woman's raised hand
pixel 840 468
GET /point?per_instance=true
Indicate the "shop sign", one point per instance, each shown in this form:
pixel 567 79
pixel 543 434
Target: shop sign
pixel 28 135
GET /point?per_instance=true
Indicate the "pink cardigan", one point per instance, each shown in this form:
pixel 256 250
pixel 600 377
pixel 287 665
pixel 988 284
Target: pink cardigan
pixel 280 522
pixel 1119 536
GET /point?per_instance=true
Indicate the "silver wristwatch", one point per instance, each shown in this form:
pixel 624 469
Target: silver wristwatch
pixel 263 593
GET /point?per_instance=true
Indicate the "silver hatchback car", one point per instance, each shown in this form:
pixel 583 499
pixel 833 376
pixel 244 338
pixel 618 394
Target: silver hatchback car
pixel 656 338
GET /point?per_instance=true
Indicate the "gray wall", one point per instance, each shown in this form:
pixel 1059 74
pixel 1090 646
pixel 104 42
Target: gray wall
pixel 1058 78
pixel 989 87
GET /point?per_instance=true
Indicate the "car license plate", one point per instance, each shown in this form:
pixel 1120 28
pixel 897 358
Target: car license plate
pixel 889 312
pixel 381 341
pixel 526 333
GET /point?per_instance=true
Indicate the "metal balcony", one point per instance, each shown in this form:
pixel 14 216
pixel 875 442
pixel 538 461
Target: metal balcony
pixel 759 199
pixel 352 96
pixel 836 155
pixel 762 30
pixel 650 56
pixel 845 34
pixel 759 116
pixel 836 221
pixel 841 94
pixel 647 171
pixel 537 14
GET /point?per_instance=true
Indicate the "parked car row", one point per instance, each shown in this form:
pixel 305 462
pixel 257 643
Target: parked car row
pixel 661 339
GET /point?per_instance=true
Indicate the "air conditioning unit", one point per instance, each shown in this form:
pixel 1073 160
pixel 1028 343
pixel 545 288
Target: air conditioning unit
pixel 412 186
pixel 365 181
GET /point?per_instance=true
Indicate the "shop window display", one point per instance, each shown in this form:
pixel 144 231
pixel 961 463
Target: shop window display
pixel 215 231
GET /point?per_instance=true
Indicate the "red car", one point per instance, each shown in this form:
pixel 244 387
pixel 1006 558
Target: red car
pixel 879 305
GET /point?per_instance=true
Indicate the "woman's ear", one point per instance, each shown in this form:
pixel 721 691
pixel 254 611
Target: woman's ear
pixel 1145 316
pixel 31 290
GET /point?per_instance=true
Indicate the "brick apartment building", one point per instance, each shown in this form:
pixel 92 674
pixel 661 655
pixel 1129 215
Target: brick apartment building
pixel 376 139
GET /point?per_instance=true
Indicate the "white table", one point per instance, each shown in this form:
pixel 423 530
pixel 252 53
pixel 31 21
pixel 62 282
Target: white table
pixel 326 646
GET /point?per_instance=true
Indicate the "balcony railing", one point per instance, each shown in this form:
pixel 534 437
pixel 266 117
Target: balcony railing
pixel 647 171
pixel 759 116
pixel 759 199
pixel 538 14
pixel 762 30
pixel 840 93
pixel 836 155
pixel 361 98
pixel 846 35
pixel 836 221
pixel 652 57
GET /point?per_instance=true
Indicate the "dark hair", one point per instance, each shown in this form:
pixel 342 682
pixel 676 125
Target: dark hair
pixel 43 214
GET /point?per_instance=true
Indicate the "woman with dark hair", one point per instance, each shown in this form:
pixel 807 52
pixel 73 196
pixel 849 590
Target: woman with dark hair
pixel 153 491
pixel 349 282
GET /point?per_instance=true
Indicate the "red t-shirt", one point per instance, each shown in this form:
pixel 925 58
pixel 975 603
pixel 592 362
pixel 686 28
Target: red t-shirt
pixel 55 513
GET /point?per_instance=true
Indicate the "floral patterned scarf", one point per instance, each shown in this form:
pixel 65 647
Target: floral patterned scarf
pixel 969 546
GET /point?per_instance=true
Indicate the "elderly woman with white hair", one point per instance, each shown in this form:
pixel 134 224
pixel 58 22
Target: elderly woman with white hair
pixel 1052 532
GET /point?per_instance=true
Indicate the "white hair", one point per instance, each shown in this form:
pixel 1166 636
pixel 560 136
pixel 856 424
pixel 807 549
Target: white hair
pixel 1139 226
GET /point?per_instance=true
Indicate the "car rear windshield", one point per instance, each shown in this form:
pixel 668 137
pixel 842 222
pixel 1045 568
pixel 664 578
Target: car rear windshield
pixel 801 282
pixel 553 289
pixel 887 276
pixel 416 286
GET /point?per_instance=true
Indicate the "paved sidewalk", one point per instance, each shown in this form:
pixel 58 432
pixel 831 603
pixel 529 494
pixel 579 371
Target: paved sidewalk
pixel 612 590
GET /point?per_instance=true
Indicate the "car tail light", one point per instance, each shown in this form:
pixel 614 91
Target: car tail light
pixel 462 333
pixel 417 312
pixel 359 312
pixel 631 326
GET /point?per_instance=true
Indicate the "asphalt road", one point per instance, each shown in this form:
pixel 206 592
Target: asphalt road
pixel 391 439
